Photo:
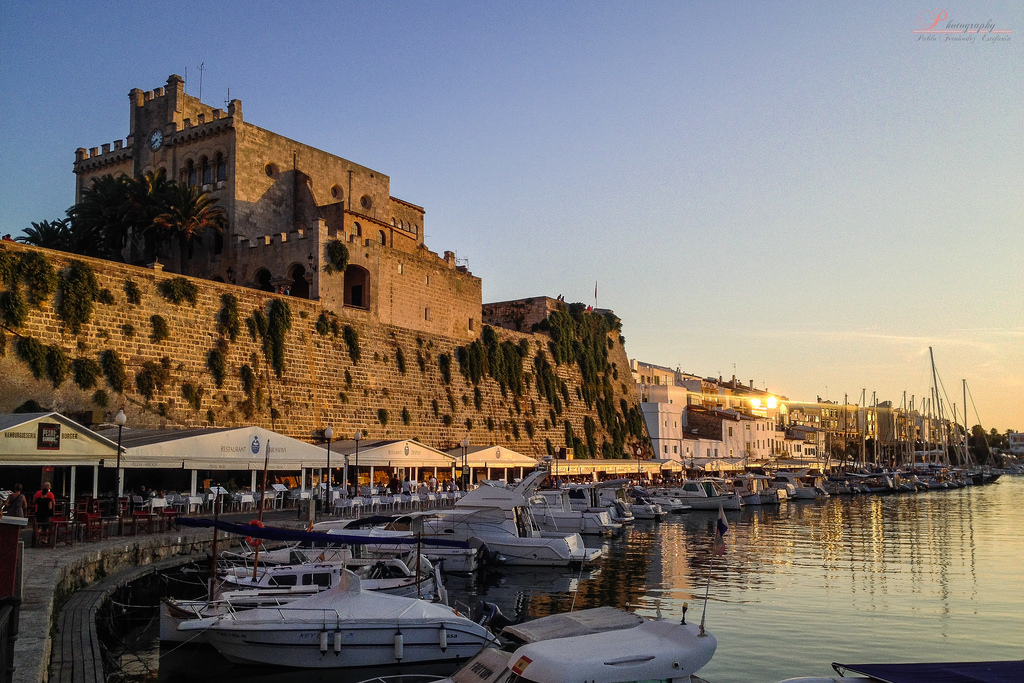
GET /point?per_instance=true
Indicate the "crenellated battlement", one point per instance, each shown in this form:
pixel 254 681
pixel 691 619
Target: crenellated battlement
pixel 96 158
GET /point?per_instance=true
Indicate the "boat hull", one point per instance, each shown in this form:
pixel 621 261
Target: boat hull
pixel 350 646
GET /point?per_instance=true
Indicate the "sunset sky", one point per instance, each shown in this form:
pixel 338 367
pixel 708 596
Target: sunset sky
pixel 803 194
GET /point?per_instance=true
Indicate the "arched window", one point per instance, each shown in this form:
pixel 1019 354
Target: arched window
pixel 357 230
pixel 382 238
pixel 222 168
pixel 207 171
pixel 190 172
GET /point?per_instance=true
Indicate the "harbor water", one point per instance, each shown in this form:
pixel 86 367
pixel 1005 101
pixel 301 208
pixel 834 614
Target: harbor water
pixel 930 576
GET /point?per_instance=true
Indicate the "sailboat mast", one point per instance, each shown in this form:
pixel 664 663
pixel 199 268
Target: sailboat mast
pixel 967 450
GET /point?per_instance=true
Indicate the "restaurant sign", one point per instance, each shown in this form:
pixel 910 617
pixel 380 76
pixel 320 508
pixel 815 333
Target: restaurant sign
pixel 48 437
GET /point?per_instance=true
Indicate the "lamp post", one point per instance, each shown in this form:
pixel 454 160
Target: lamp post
pixel 120 419
pixel 465 464
pixel 328 434
pixel 358 436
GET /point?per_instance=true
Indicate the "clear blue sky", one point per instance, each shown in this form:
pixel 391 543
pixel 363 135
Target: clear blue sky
pixel 803 194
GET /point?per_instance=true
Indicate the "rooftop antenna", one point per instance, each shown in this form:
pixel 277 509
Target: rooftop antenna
pixel 202 68
pixel 186 80
pixel 227 100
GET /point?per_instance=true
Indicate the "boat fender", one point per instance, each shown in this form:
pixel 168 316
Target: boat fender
pixel 337 642
pixel 399 646
pixel 442 638
pixel 254 542
pixel 323 642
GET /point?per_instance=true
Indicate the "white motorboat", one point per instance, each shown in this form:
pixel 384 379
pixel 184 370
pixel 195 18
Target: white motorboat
pixel 494 519
pixel 382 535
pixel 702 494
pixel 277 585
pixel 343 627
pixel 500 518
pixel 603 495
pixel 602 645
pixel 755 489
pixel 553 512
pixel 805 486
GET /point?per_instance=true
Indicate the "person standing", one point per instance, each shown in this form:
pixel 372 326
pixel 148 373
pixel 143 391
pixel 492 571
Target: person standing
pixel 16 505
pixel 44 503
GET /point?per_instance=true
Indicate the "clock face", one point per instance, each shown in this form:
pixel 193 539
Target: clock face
pixel 156 139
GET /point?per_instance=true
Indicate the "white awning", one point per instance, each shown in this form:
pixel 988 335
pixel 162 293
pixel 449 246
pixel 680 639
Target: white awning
pixel 51 439
pixel 493 456
pixel 240 448
pixel 405 453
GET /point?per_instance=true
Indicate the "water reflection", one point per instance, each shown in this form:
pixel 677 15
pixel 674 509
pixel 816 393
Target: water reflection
pixel 929 576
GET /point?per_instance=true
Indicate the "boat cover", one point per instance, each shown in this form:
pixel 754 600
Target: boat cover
pixel 578 623
pixel 270 533
pixel 346 602
pixel 949 672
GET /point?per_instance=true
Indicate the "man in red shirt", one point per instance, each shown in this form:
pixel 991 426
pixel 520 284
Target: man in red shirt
pixel 44 504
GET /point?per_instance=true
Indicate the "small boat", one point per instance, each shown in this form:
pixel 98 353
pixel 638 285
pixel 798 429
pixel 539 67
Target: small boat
pixel 946 672
pixel 805 486
pixel 278 585
pixel 343 627
pixel 702 494
pixel 553 511
pixel 601 645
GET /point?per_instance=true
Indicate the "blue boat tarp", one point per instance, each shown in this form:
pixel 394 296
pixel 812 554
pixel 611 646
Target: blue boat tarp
pixel 269 533
pixel 948 672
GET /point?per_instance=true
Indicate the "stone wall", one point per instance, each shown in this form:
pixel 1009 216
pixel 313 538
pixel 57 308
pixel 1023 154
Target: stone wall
pixel 321 384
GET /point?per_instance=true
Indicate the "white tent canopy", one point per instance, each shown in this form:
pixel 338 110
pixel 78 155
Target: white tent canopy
pixel 240 448
pixel 50 439
pixel 406 453
pixel 493 456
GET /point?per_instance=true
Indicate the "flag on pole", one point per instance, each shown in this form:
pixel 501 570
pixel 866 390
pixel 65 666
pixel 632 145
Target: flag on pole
pixel 722 524
pixel 595 292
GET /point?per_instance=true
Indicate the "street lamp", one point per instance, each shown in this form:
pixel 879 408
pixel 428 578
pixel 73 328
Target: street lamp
pixel 358 436
pixel 120 419
pixel 328 434
pixel 465 464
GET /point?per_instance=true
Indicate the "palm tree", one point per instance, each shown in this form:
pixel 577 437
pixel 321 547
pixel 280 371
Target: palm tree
pixel 102 222
pixel 187 215
pixel 49 234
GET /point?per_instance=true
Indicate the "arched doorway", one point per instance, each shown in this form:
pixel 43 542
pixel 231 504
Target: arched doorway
pixel 262 278
pixel 357 287
pixel 299 285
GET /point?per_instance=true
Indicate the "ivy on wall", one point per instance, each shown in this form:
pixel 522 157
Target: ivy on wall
pixel 335 256
pixel 352 342
pixel 161 330
pixel 227 319
pixel 178 290
pixel 76 292
pixel 113 370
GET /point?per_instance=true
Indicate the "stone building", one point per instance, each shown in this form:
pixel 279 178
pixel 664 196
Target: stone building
pixel 285 201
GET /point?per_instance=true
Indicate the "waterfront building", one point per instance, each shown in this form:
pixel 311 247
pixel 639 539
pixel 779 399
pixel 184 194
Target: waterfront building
pixel 285 203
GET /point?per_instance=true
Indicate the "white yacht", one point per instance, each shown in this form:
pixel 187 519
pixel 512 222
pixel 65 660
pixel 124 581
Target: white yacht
pixel 702 494
pixel 343 627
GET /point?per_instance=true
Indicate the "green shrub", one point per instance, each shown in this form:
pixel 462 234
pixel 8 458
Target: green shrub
pixel 105 297
pixel 128 330
pixel 77 291
pixel 152 377
pixel 446 420
pixel 179 290
pixel 382 416
pixel 406 417
pixel 444 363
pixel 13 307
pixel 40 277
pixel 85 372
pixel 33 354
pixel 193 395
pixel 323 325
pixel 400 359
pixel 335 256
pixel 217 364
pixel 101 398
pixel 161 330
pixel 279 322
pixel 132 292
pixel 227 319
pixel 57 365
pixel 352 342
pixel 248 379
